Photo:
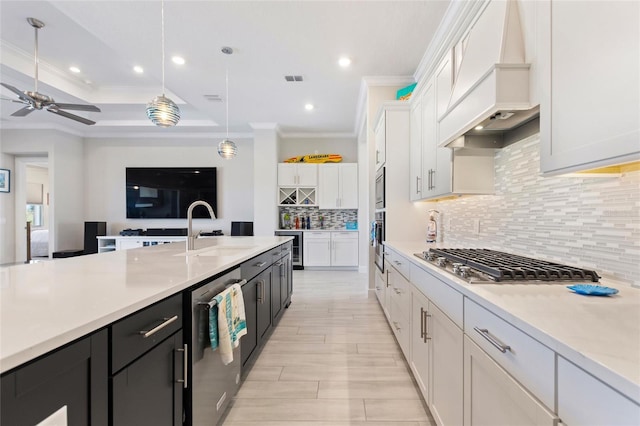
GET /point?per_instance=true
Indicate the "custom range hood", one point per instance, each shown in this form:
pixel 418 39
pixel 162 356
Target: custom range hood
pixel 489 83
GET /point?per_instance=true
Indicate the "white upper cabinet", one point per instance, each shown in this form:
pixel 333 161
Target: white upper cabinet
pixel 381 143
pixel 415 151
pixel 338 186
pixel 295 174
pixel 448 171
pixel 590 100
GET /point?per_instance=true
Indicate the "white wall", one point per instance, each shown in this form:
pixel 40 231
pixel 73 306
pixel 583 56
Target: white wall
pixel 105 161
pixel 7 213
pixel 65 154
pixel 293 147
pixel 265 181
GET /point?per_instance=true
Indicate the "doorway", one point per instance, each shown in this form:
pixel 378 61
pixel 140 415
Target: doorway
pixel 32 185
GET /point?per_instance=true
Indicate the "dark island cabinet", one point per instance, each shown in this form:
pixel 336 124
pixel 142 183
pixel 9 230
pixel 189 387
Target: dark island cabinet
pixel 257 305
pixel 69 383
pixel 149 391
pixel 148 365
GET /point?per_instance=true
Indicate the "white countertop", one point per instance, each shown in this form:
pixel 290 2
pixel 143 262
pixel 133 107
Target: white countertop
pixel 319 230
pixel 599 334
pixel 48 304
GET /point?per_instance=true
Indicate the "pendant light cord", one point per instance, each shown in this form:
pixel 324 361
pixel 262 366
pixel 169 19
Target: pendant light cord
pixel 227 85
pixel 162 30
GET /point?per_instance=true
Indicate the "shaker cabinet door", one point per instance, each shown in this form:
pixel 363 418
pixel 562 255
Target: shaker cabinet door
pixel 147 391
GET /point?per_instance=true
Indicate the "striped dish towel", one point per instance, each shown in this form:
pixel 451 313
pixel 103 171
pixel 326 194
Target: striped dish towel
pixel 227 322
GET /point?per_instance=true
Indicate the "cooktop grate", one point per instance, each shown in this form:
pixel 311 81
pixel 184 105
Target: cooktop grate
pixel 510 267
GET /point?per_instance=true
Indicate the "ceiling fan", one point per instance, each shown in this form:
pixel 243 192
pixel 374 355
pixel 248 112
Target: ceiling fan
pixel 34 100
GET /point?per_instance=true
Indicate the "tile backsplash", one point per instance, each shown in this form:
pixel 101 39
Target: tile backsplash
pixel 332 219
pixel 591 222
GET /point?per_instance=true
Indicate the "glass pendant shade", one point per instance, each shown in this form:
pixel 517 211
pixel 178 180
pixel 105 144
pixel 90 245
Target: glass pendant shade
pixel 227 149
pixel 163 112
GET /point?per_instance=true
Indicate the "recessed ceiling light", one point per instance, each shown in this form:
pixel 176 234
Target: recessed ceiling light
pixel 308 107
pixel 178 60
pixel 75 70
pixel 479 127
pixel 138 69
pixel 344 62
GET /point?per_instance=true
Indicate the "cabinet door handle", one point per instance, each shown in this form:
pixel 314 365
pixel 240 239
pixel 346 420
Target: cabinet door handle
pixel 395 324
pixel 426 326
pixel 264 290
pixel 260 264
pixel 259 296
pixel 417 184
pixel 154 330
pixel 422 332
pixel 377 156
pixel 185 363
pixel 492 339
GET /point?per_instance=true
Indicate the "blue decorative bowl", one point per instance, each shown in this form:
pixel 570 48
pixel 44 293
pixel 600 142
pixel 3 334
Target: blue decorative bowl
pixel 592 290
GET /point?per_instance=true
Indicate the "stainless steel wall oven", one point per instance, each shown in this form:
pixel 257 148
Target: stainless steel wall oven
pixel 380 193
pixel 378 241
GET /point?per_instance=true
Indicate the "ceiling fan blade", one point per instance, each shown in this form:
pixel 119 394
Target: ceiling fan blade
pixel 71 116
pixel 23 111
pixel 18 92
pixel 78 107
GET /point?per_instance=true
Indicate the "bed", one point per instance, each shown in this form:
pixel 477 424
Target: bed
pixel 40 243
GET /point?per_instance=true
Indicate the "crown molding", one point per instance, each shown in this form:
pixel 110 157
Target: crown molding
pixel 301 135
pixel 12 125
pixel 399 80
pixel 215 137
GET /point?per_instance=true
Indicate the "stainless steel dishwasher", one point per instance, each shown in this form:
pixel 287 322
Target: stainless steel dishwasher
pixel 211 384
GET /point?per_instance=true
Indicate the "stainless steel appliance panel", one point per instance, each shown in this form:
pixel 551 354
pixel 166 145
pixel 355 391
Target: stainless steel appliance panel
pixel 380 190
pixel 296 248
pixel 378 241
pixel 212 384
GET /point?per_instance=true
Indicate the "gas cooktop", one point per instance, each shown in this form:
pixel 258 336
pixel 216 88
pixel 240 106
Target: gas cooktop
pixel 490 266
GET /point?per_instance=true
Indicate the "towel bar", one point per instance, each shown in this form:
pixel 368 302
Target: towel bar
pixel 210 304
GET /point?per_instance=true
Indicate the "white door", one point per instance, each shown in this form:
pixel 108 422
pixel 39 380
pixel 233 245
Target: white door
pixel 493 397
pixel 317 251
pixel 287 174
pixel 446 368
pixel 307 174
pixel 348 186
pixel 328 185
pixel 344 249
pixel 415 151
pixel 420 341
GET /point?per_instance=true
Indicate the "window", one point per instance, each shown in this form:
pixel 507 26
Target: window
pixel 35 214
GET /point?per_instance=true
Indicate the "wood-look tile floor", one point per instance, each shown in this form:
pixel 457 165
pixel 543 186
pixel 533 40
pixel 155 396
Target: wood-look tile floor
pixel 331 361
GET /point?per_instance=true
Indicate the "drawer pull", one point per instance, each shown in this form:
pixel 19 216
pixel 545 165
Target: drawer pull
pixel 386 253
pixel 185 363
pixel 260 264
pixel 154 330
pixel 491 339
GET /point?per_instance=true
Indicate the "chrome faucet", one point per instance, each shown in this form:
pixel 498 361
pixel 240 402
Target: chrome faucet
pixel 191 239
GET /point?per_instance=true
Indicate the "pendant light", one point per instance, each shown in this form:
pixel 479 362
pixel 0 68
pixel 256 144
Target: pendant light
pixel 227 149
pixel 162 111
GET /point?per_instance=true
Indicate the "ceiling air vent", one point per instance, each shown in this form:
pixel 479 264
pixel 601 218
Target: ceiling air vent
pixel 213 98
pixel 293 77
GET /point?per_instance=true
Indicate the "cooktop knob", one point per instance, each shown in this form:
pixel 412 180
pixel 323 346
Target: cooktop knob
pixel 441 261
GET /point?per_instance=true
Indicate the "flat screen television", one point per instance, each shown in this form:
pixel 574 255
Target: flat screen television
pixel 167 192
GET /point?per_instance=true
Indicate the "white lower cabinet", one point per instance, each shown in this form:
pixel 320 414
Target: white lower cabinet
pixel 400 308
pixel 330 248
pixel 420 342
pixel 585 400
pixel 317 248
pixel 492 397
pixel 447 379
pixel 381 291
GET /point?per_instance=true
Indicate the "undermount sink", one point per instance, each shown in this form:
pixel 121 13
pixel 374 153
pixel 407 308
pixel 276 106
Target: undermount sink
pixel 217 251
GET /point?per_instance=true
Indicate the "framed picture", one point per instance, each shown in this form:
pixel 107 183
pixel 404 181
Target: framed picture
pixel 5 180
